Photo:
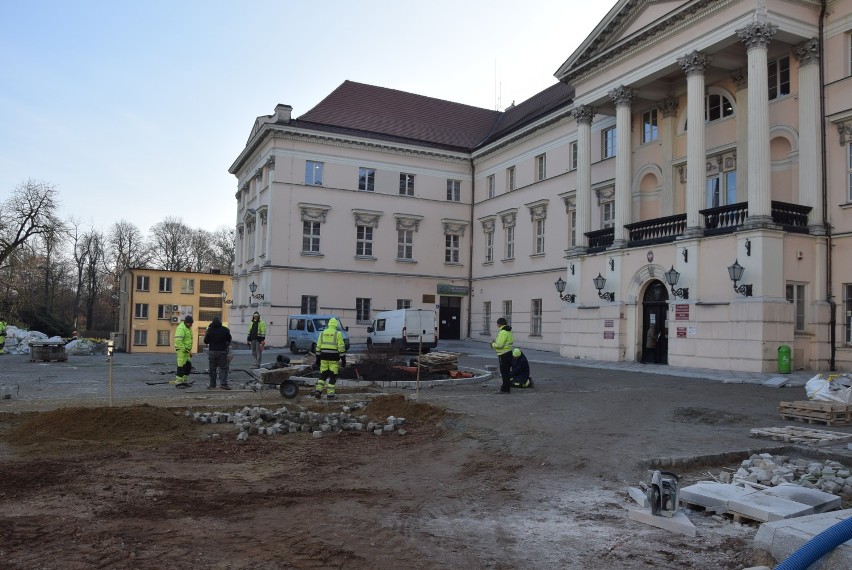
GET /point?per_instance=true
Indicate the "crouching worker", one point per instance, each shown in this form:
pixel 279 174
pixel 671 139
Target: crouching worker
pixel 330 348
pixel 520 370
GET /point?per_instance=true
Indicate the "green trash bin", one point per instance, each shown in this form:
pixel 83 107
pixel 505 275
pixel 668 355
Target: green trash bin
pixel 784 359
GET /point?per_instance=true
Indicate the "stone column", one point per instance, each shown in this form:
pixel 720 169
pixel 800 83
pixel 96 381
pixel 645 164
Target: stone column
pixel 584 115
pixel 756 37
pixel 741 82
pixel 810 167
pixel 668 109
pixel 622 96
pixel 270 200
pixel 694 65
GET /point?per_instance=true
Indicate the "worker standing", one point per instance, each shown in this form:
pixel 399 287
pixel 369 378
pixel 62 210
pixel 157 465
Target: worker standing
pixel 2 335
pixel 218 337
pixel 183 347
pixel 330 348
pixel 257 338
pixel 503 345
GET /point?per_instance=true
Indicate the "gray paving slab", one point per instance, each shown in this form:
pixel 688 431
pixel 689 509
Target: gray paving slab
pixel 763 507
pixel 712 495
pixel 782 538
pixel 678 522
pixel 820 501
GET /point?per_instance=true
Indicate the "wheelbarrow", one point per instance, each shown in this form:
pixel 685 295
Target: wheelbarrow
pixel 282 377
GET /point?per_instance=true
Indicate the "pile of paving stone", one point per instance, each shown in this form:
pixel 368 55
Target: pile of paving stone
pixel 765 469
pixel 261 421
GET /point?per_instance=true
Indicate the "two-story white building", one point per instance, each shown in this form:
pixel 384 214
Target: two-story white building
pixel 686 143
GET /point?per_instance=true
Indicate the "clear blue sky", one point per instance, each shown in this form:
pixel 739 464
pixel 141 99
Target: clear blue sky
pixel 136 110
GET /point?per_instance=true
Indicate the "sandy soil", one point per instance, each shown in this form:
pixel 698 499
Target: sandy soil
pixel 536 479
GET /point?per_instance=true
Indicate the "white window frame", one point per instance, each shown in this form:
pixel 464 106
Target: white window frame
pixel 510 179
pixel 143 283
pixel 453 190
pixel 491 186
pixel 406 184
pixel 608 214
pixel 720 189
pixel 187 286
pixel 538 235
pixel 313 173
pixel 541 167
pixel 165 285
pixel 572 155
pixel 405 245
pixel 489 247
pixel 573 221
pixel 847 306
pixel 509 250
pixel 536 317
pixel 366 179
pixel 309 304
pixel 486 317
pixel 164 312
pixel 164 338
pixel 364 241
pixel 796 293
pixel 779 74
pixel 725 110
pixel 849 172
pixel 507 311
pixel 140 311
pixel 403 303
pixel 650 126
pixel 452 248
pixel 362 310
pixel 608 143
pixel 311 237
pixel 140 337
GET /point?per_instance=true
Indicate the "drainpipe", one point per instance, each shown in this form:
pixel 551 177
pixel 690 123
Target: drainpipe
pixel 470 251
pixel 829 294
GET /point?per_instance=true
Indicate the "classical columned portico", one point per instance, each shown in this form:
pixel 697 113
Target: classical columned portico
pixel 694 65
pixel 668 109
pixel 756 36
pixel 270 198
pixel 741 83
pixel 622 96
pixel 584 115
pixel 810 168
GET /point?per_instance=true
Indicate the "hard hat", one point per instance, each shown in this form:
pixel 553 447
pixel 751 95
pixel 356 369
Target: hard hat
pixel 516 353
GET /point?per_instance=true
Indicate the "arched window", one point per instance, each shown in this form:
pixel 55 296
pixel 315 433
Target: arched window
pixel 717 106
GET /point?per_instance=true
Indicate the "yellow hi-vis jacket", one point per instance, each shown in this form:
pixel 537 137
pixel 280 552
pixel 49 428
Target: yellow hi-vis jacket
pixel 505 340
pixel 183 338
pixel 330 342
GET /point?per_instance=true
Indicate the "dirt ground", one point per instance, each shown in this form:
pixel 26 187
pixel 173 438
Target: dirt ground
pixel 535 479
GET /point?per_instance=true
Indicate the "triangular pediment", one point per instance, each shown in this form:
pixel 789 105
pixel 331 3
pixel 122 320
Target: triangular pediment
pixel 627 21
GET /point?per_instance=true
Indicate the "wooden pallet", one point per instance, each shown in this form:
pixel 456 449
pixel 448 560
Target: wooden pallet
pixel 828 413
pixel 806 436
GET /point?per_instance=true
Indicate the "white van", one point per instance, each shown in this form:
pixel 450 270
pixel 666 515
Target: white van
pixel 302 331
pixel 403 328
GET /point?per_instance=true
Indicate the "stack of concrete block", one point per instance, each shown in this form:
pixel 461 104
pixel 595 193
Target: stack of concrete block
pixel 766 469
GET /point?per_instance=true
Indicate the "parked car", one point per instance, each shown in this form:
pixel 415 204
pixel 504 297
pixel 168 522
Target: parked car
pixel 302 331
pixel 403 328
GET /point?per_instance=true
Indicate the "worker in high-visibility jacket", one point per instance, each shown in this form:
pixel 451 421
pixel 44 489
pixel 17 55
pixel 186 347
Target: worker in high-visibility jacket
pixel 330 348
pixel 183 348
pixel 503 345
pixel 2 335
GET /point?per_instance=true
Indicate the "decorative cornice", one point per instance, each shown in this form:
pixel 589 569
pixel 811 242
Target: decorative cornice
pixel 509 217
pixel 605 194
pixel 248 217
pixel 807 52
pixel 369 218
pixel 570 203
pixel 313 212
pixel 263 212
pixel 845 131
pixel 668 106
pixel 258 174
pixel 454 227
pixel 488 224
pixel 270 163
pixel 621 96
pixel 694 62
pixel 584 114
pixel 740 79
pixel 538 209
pixel 407 221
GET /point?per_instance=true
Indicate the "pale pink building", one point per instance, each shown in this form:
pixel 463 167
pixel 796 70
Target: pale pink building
pixel 377 199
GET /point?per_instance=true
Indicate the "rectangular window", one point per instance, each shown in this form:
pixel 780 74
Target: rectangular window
pixel 572 156
pixel 143 282
pixel 779 78
pixel 535 317
pixel 510 243
pixel 452 247
pixel 847 301
pixel 311 237
pixel 210 287
pixel 140 338
pixel 720 189
pixel 510 179
pixel 165 285
pixel 406 184
pixel 140 310
pixel 507 311
pixel 454 190
pixel 164 312
pixel 163 338
pixel 538 227
pixel 364 241
pixel 489 247
pixel 608 142
pixel 486 317
pixel 491 186
pixel 362 310
pixel 849 147
pixel 367 179
pixel 309 304
pixel 540 167
pixel 796 295
pixel 403 303
pixel 405 244
pixel 649 126
pixel 607 215
pixel 187 286
pixel 313 172
pixel 573 228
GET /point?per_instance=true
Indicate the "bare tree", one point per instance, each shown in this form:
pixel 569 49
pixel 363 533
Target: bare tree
pixel 224 249
pixel 80 253
pixel 94 244
pixel 30 211
pixel 170 245
pixel 200 250
pixel 125 249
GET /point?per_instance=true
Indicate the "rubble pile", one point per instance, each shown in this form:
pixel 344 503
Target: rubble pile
pixel 766 469
pixel 18 342
pixel 261 421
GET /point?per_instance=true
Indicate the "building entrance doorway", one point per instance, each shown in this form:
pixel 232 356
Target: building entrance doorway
pixel 449 318
pixel 655 324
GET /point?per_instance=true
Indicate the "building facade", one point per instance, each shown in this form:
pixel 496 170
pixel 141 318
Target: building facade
pixel 686 144
pixel 153 303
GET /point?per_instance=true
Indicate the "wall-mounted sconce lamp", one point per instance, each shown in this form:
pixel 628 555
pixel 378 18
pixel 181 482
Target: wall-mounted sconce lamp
pixel 253 288
pixel 672 277
pixel 560 288
pixel 685 254
pixel 748 247
pixel 611 264
pixel 735 272
pixel 600 283
pixel 571 267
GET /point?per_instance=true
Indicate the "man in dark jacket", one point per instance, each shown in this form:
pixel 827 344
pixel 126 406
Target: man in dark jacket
pixel 520 370
pixel 218 337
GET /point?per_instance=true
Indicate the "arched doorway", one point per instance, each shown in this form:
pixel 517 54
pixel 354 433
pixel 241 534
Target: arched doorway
pixel 655 312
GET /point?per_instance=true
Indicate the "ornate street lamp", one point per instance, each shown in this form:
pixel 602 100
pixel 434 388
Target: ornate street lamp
pixel 735 272
pixel 560 288
pixel 672 277
pixel 600 283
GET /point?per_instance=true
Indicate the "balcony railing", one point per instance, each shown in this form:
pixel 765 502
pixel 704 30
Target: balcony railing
pixel 599 240
pixel 792 217
pixel 658 230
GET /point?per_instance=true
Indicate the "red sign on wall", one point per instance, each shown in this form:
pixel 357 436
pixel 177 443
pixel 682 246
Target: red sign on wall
pixel 681 312
pixel 681 332
pixel 609 323
pixel 609 334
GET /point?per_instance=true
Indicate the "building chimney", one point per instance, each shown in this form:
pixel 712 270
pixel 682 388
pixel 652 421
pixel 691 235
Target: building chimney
pixel 282 113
